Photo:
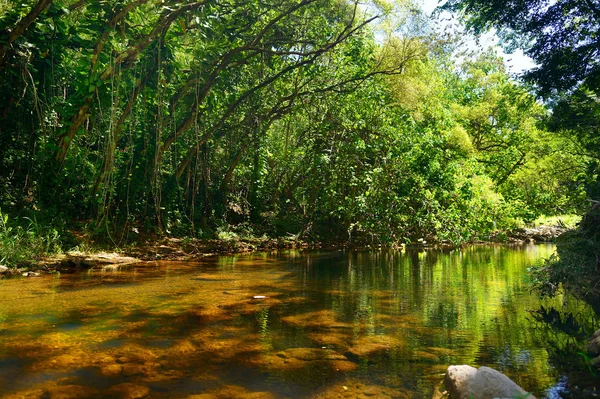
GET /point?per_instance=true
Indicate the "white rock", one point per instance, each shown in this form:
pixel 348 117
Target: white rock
pixel 3 269
pixel 466 382
pixel 457 380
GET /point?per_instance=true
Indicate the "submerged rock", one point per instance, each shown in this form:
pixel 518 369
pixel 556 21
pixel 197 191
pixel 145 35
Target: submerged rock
pixel 466 382
pixel 112 370
pixel 233 391
pixel 367 346
pixel 129 391
pixel 310 354
pixel 357 390
pixel 73 392
pixel 38 393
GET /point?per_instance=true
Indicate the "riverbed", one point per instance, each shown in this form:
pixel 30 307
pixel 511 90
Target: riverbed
pixel 288 324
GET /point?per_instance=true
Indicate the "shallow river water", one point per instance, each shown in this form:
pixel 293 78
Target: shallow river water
pixel 331 324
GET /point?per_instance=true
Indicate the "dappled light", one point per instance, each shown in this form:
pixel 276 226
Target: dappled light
pixel 288 325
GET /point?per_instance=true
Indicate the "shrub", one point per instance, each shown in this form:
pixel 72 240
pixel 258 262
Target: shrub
pixel 23 245
pixel 577 262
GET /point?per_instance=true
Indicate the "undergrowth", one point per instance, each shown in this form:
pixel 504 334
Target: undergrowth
pixel 569 221
pixel 26 242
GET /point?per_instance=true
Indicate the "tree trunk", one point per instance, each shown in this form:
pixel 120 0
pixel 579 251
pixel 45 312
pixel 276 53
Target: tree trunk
pixel 22 27
pixel 124 59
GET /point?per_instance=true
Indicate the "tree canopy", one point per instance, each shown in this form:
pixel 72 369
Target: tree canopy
pixel 320 119
pixel 562 37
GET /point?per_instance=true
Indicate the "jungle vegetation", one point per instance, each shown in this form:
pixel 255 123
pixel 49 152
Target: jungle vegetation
pixel 319 119
pixel 563 39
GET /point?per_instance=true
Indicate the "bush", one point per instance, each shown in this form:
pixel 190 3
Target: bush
pixel 577 263
pixel 23 245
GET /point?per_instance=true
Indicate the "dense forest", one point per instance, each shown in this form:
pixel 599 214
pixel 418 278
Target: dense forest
pixel 322 120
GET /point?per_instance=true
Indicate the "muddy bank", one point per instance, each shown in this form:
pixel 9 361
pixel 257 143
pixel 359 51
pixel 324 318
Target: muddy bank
pixel 69 262
pixel 186 248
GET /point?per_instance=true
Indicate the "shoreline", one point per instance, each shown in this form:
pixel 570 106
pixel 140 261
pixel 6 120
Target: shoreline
pixel 178 249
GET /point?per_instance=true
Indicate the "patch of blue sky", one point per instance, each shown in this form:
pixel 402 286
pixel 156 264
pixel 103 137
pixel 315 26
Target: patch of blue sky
pixel 516 62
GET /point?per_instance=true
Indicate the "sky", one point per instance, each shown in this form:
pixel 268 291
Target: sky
pixel 516 62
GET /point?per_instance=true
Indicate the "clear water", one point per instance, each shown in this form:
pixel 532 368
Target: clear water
pixel 332 324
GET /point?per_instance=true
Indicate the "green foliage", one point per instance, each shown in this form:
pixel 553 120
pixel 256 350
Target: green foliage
pixel 24 245
pixel 561 37
pixel 588 361
pixel 576 115
pixel 303 118
pixel 577 262
pixel 569 221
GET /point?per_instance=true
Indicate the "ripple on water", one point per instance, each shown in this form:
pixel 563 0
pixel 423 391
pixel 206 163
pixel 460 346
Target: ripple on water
pixel 69 326
pixel 359 324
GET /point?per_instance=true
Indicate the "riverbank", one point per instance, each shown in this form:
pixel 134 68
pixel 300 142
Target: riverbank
pixel 154 248
pixel 151 249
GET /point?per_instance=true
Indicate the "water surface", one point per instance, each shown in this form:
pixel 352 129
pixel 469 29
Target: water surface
pixel 332 324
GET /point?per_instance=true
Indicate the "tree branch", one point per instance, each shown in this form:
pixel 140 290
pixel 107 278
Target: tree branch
pixel 22 27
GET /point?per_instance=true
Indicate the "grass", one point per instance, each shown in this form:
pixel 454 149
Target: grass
pixel 569 221
pixel 24 243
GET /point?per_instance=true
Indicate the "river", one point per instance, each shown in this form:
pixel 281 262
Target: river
pixel 291 324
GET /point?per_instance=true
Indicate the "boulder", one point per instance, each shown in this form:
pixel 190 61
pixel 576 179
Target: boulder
pixel 458 379
pixel 165 250
pixel 466 382
pixel 593 346
pixel 3 269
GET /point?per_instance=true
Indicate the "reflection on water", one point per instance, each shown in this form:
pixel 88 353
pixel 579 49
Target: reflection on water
pixel 332 324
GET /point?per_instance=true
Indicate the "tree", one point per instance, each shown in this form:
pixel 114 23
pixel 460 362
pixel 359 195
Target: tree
pixel 562 37
pixel 137 103
pixel 295 116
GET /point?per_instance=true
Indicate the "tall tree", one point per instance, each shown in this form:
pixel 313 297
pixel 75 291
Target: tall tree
pixel 562 37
